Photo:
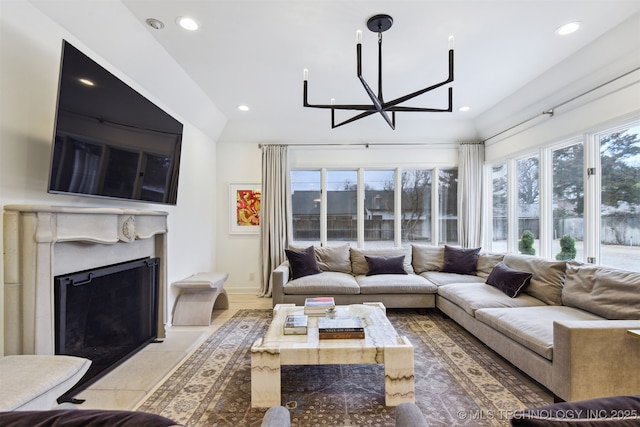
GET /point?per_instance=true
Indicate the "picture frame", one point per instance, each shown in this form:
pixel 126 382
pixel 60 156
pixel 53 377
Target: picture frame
pixel 244 208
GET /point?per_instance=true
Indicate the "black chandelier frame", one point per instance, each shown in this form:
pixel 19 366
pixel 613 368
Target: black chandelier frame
pixel 379 24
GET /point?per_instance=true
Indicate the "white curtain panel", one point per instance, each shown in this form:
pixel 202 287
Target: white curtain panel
pixel 470 166
pixel 275 211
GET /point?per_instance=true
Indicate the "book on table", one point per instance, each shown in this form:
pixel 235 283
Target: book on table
pixel 317 306
pixel 295 324
pixel 340 327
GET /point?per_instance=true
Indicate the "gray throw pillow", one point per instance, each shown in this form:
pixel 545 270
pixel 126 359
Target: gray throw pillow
pixel 302 263
pixel 508 280
pixel 460 260
pixel 385 265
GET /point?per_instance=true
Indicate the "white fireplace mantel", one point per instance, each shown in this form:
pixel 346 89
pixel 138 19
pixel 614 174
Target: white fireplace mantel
pixel 41 242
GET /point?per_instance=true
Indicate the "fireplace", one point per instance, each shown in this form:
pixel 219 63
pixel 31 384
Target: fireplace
pixel 43 243
pixel 106 314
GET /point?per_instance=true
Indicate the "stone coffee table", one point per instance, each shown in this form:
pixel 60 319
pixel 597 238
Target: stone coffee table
pixel 380 345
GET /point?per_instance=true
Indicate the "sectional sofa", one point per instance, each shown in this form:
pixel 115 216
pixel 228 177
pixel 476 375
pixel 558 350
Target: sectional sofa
pixel 565 324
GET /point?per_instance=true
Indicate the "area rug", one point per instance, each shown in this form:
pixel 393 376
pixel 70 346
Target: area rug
pixel 457 382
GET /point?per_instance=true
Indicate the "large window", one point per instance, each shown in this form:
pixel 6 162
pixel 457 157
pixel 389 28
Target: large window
pixel 373 208
pixel 575 200
pixel 620 198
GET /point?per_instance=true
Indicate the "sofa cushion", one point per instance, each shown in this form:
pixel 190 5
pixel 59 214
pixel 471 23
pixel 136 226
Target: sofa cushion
pixel 531 326
pixel 395 284
pixel 302 263
pixel 486 262
pixel 427 258
pixel 84 418
pixel 34 382
pixel 608 292
pixel 460 260
pixel 334 258
pixel 440 279
pixel 508 280
pixel 325 283
pixel 474 296
pixel 385 265
pixel 359 263
pixel 548 276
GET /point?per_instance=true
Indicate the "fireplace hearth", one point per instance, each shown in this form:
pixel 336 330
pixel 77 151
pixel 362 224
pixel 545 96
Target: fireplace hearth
pixel 106 314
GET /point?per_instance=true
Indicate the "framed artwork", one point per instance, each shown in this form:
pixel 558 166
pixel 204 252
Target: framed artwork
pixel 244 208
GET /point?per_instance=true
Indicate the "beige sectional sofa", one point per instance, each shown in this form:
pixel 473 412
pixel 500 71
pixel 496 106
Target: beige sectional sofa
pixel 566 328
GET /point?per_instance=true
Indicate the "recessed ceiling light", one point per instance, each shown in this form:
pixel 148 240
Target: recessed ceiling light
pixel 187 23
pixel 243 108
pixel 86 82
pixel 154 23
pixel 465 108
pixel 568 28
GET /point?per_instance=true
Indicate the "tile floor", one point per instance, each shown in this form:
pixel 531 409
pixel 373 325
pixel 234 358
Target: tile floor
pixel 127 385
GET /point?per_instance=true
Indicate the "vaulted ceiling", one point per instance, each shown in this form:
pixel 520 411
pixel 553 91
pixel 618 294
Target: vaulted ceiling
pixel 253 53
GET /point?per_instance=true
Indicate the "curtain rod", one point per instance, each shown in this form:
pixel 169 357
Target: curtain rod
pixel 367 144
pixel 550 111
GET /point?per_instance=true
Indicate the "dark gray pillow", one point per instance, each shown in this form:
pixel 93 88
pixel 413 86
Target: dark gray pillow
pixel 385 265
pixel 460 260
pixel 302 263
pixel 508 280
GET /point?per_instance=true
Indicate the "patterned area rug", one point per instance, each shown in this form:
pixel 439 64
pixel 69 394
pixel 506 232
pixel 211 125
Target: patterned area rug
pixel 457 382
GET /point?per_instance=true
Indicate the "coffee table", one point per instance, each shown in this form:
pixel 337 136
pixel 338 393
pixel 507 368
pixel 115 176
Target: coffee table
pixel 380 345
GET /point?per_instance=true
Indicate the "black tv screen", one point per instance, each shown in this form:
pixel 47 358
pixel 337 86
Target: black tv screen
pixel 110 141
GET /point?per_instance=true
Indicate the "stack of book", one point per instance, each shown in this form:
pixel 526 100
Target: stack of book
pixel 295 324
pixel 345 327
pixel 318 306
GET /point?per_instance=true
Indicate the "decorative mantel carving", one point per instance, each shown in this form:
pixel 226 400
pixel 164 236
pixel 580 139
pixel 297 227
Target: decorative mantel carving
pixel 41 242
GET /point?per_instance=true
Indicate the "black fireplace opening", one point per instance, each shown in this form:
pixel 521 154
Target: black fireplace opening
pixel 106 315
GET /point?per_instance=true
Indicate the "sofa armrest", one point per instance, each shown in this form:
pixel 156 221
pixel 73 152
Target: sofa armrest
pixel 279 277
pixel 595 358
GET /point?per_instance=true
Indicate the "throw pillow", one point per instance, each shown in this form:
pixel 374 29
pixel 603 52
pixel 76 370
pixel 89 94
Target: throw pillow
pixel 302 263
pixel 508 280
pixel 385 265
pixel 460 260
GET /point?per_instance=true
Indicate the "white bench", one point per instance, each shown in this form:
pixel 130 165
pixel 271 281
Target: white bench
pixel 201 293
pixel 34 382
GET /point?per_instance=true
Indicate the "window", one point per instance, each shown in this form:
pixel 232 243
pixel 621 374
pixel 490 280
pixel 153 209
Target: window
pixel 416 205
pixel 568 202
pixel 499 208
pixel 363 207
pixel 379 207
pixel 305 198
pixel 342 205
pixel 620 198
pixel 528 206
pixel 448 205
pixel 576 200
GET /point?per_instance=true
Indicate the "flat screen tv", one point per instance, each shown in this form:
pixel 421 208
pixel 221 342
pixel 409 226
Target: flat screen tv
pixel 110 141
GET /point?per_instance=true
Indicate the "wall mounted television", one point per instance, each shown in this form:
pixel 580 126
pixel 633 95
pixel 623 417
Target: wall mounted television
pixel 110 141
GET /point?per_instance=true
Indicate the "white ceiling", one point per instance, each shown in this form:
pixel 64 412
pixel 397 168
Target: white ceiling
pixel 253 53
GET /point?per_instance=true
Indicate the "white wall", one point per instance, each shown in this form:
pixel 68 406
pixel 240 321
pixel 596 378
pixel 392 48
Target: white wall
pixel 30 45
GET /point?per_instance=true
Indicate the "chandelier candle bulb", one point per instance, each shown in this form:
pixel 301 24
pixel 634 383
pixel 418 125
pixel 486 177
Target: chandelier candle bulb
pixel 359 37
pixel 333 101
pixel 450 42
pixel 305 74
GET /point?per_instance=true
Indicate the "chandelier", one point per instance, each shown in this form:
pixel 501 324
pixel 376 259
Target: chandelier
pixel 379 24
